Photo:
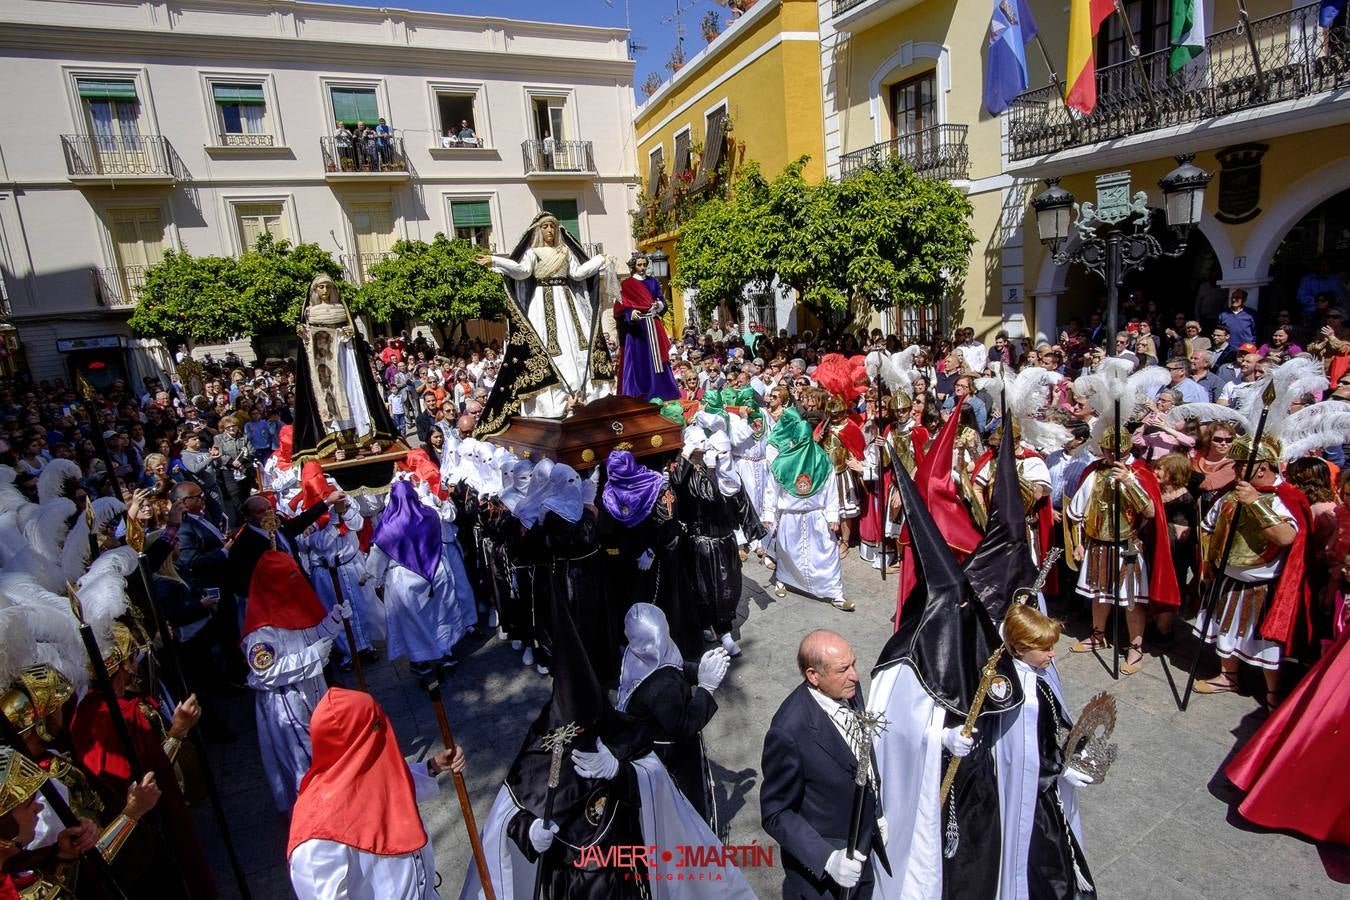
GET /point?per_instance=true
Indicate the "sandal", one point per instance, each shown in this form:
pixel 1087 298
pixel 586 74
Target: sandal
pixel 1223 683
pixel 843 605
pixel 1129 668
pixel 778 590
pixel 1273 699
pixel 843 549
pixel 1092 644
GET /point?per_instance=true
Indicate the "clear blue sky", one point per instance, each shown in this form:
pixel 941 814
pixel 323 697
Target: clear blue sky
pixel 648 21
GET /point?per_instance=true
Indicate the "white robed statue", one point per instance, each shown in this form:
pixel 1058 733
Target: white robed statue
pixel 556 355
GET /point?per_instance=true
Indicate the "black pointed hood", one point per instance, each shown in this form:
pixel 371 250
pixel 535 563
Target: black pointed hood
pixel 577 698
pixel 946 635
pixel 1002 561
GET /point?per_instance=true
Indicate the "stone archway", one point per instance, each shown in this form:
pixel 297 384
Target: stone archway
pixel 1295 202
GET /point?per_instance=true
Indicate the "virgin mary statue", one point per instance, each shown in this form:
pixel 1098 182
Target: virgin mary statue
pixel 338 409
pixel 555 354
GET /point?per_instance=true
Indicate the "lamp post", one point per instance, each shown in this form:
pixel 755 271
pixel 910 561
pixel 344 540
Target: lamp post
pixel 1113 238
pixel 658 267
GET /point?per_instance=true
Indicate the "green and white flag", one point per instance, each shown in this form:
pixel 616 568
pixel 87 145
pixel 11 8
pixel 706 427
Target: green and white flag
pixel 1187 37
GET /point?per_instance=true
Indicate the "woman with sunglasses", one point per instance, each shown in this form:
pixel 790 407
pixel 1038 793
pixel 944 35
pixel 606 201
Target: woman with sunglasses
pixel 1214 472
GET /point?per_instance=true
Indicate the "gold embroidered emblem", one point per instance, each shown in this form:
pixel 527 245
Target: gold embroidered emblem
pixel 261 656
pixel 803 483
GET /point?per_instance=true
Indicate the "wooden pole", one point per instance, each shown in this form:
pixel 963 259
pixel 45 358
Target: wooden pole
pixel 470 825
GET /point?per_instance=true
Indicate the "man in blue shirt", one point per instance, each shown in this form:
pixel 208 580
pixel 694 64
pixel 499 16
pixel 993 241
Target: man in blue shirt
pixel 1239 321
pixel 1179 371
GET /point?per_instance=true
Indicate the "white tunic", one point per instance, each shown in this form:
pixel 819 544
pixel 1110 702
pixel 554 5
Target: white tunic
pixel 286 672
pixel 420 620
pixel 285 483
pixel 572 363
pixel 330 553
pixel 327 870
pixel 801 543
pixel 1133 580
pixel 751 463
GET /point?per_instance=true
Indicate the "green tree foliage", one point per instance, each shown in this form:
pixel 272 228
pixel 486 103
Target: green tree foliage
pixel 440 283
pixel 220 298
pixel 882 237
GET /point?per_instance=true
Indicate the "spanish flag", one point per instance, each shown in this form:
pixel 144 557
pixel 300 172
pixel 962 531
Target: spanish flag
pixel 1085 20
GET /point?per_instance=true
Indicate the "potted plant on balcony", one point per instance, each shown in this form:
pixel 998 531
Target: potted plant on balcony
pixel 676 61
pixel 711 25
pixel 652 84
pixel 348 164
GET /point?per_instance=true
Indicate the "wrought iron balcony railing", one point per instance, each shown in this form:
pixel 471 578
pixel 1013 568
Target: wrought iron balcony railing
pixel 557 156
pixel 843 6
pixel 92 156
pixel 937 152
pixel 118 287
pixel 234 139
pixel 593 249
pixel 362 155
pixel 1280 57
pixel 357 266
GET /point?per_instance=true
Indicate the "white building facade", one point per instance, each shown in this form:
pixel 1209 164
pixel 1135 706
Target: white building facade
pixel 197 125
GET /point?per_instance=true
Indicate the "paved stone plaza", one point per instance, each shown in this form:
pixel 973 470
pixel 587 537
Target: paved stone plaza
pixel 1159 828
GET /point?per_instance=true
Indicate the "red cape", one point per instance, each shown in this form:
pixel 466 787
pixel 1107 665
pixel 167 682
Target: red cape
pixel 358 790
pixel 281 596
pixel 1288 619
pixel 1162 575
pixel 872 522
pixel 936 483
pixel 1293 768
pixel 851 436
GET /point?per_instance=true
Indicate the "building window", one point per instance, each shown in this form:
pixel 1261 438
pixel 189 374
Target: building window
pixel 683 161
pixel 565 211
pixel 257 219
pixel 656 163
pixel 241 114
pixel 550 118
pixel 354 105
pixel 373 228
pixel 112 110
pixel 1150 21
pixel 459 124
pixel 914 104
pixel 472 221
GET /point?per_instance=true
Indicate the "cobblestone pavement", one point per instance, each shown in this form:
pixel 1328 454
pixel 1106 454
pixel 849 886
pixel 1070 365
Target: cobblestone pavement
pixel 1159 827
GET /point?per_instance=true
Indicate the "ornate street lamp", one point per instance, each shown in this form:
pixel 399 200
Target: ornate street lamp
pixel 658 265
pixel 1113 238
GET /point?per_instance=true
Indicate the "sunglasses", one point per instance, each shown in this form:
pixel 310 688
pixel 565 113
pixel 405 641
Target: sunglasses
pixel 1221 440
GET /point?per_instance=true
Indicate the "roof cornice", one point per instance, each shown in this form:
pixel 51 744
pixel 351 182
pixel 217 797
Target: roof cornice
pixel 81 42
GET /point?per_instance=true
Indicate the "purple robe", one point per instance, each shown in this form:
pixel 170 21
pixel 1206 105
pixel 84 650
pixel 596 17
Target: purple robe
pixel 641 345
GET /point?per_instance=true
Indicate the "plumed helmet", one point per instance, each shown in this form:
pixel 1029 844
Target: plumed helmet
pixel 1268 451
pixel 20 779
pixel 37 693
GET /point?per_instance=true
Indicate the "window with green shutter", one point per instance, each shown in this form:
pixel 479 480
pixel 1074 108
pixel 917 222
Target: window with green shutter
pixel 565 211
pixel 472 221
pixel 242 110
pixel 101 89
pixel 352 105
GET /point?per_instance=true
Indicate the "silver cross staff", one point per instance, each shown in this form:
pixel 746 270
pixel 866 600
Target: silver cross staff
pixel 863 728
pixel 556 742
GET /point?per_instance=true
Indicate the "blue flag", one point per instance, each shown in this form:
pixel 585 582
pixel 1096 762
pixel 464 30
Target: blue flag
pixel 1005 75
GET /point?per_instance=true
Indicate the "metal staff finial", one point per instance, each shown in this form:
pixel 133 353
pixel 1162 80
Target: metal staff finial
pixel 272 524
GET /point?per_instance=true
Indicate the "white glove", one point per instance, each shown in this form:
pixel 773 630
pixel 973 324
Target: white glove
pixel 323 646
pixel 882 832
pixel 712 668
pixel 955 743
pixel 342 611
pixel 688 451
pixel 1076 778
pixel 710 458
pixel 600 764
pixel 644 562
pixel 541 838
pixel 844 869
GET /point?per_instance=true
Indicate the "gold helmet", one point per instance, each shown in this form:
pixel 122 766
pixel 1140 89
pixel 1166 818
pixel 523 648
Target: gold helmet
pixel 37 693
pixel 1117 440
pixel 128 642
pixel 1268 451
pixel 20 779
pixel 899 404
pixel 835 405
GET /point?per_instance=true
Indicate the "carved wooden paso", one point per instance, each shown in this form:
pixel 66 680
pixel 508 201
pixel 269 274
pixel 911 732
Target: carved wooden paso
pixel 585 438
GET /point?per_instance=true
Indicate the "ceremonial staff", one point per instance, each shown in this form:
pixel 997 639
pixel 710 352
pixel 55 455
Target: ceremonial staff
pixel 968 729
pixel 864 728
pixel 881 473
pixel 87 392
pixel 52 797
pixel 470 825
pixel 1116 613
pixel 336 578
pixel 1267 398
pixel 556 743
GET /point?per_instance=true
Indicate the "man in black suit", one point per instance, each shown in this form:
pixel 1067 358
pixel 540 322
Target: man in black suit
pixel 252 539
pixel 809 768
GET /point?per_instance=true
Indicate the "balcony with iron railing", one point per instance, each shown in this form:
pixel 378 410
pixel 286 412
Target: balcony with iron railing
pixel 372 159
pixel 101 159
pixel 240 141
pixel 118 287
pixel 1277 58
pixel 356 266
pixel 546 159
pixel 937 152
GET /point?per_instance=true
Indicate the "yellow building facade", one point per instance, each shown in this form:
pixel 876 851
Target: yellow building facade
pixel 752 94
pixel 1264 109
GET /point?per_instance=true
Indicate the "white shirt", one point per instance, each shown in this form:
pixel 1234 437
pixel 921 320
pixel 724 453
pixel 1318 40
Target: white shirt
pixel 975 356
pixel 838 713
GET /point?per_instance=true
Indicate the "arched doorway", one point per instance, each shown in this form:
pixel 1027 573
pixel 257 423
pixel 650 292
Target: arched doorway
pixel 1323 232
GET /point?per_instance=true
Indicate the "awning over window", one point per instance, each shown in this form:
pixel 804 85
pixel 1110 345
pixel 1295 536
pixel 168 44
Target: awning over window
pixel 243 94
pixel 98 89
pixel 352 105
pixel 471 214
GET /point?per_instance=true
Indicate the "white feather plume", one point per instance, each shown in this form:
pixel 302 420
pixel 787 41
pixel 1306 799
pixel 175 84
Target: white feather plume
pixel 51 625
pixel 1113 381
pixel 1314 428
pixel 119 562
pixel 16 643
pixel 55 478
pixel 46 532
pixel 103 600
pixel 11 498
pixel 1206 412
